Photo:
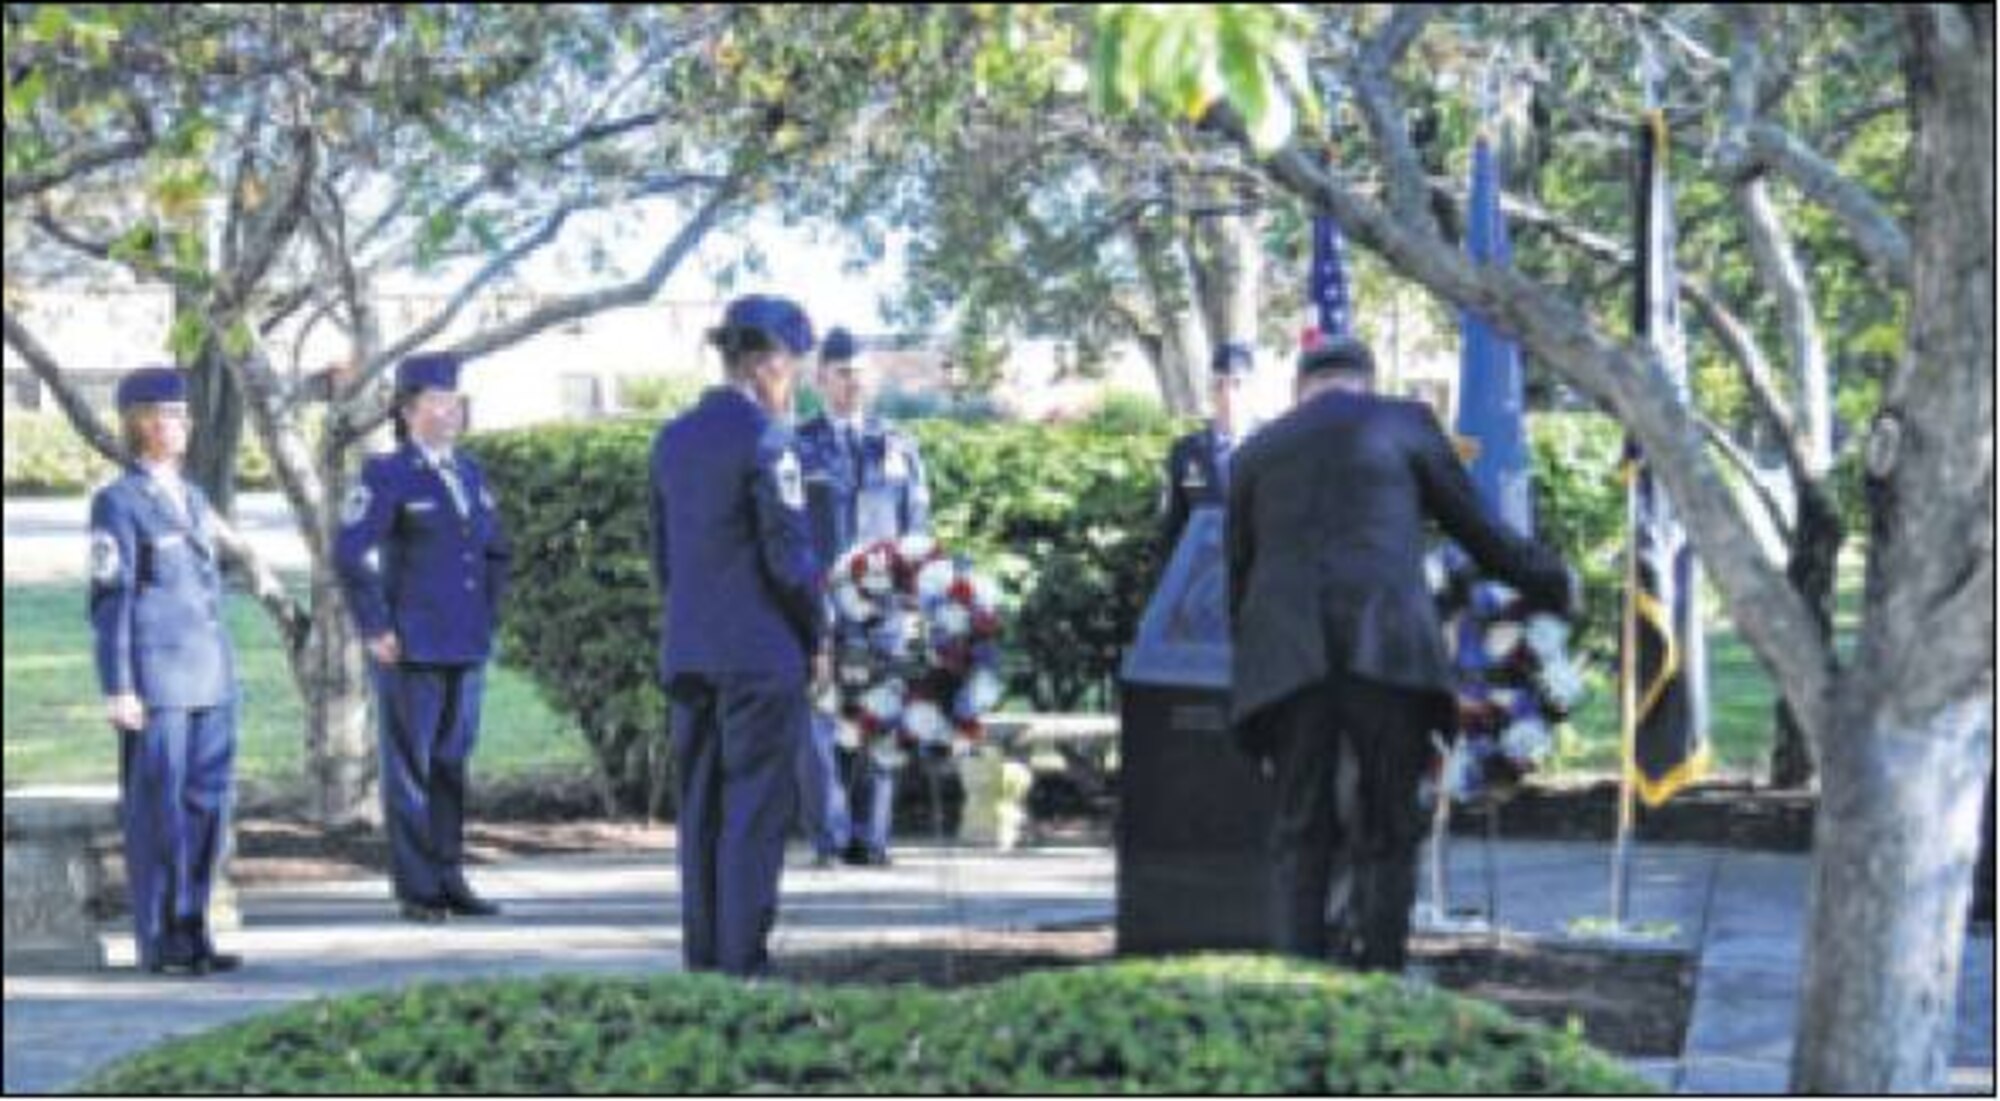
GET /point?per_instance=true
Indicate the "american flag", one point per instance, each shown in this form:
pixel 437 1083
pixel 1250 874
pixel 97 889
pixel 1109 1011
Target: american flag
pixel 1330 299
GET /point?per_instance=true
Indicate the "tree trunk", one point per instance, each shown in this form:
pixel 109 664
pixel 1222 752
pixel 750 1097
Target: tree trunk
pixel 1813 570
pixel 1227 260
pixel 1911 730
pixel 215 406
pixel 341 764
pixel 1181 363
pixel 1895 840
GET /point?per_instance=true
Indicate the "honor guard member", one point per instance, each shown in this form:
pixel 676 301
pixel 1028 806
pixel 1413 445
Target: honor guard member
pixel 866 482
pixel 422 561
pixel 743 616
pixel 168 675
pixel 1198 463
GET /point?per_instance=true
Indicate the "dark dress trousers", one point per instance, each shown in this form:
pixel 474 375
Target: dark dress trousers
pixel 1339 662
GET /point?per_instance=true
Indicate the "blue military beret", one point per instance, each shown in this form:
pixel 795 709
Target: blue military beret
pixel 428 371
pixel 779 318
pixel 1233 357
pixel 151 386
pixel 1337 353
pixel 838 345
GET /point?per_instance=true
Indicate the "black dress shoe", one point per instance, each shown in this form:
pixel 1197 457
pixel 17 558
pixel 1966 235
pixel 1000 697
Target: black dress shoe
pixel 423 913
pixel 171 967
pixel 468 904
pixel 861 856
pixel 216 962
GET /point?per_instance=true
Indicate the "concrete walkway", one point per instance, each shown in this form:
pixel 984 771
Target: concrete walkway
pixel 616 914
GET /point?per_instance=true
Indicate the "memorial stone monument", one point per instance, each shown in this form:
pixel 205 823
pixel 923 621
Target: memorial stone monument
pixel 1194 811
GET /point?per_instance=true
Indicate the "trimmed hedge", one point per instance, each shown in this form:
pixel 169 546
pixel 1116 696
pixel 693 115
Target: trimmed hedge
pixel 1063 517
pixel 1214 1024
pixel 582 615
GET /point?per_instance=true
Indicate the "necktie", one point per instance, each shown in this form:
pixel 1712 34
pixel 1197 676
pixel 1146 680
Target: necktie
pixel 448 470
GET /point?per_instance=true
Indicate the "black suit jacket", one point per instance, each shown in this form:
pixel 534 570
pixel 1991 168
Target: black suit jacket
pixel 1327 511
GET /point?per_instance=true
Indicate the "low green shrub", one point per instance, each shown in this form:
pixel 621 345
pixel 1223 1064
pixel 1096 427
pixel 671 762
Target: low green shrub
pixel 1214 1024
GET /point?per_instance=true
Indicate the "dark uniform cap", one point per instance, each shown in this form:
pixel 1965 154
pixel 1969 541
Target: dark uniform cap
pixel 1335 354
pixel 1233 358
pixel 151 386
pixel 428 371
pixel 779 318
pixel 839 345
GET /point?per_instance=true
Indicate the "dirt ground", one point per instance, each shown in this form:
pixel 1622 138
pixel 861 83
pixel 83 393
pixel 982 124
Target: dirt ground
pixel 1633 1004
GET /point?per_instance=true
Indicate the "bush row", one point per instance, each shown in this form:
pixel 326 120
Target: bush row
pixel 1063 517
pixel 1216 1024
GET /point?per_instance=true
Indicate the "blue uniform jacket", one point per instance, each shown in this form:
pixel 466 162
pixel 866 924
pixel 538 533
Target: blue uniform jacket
pixel 1194 479
pixel 731 549
pixel 410 562
pixel 156 597
pixel 880 493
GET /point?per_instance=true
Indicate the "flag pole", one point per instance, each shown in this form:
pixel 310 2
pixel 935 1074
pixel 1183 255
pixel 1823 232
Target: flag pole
pixel 1628 706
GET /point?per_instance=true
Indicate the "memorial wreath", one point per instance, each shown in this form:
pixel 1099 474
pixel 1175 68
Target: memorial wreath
pixel 916 648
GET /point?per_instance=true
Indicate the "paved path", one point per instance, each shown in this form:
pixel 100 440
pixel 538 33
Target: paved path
pixel 615 914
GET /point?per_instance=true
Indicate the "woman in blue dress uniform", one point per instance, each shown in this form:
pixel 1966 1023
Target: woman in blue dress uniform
pixel 743 616
pixel 168 675
pixel 422 561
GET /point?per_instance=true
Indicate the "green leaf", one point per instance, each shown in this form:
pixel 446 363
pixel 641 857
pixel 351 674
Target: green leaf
pixel 185 337
pixel 23 94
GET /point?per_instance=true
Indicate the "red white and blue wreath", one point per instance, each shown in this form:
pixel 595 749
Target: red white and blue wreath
pixel 916 654
pixel 1517 683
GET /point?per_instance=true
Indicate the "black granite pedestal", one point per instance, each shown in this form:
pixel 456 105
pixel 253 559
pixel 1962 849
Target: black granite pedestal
pixel 1194 812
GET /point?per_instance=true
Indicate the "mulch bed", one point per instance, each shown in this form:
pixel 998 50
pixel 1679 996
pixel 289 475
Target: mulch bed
pixel 1629 1003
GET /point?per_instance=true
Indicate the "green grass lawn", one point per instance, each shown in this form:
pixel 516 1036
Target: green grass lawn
pixel 55 732
pixel 54 716
pixel 1740 699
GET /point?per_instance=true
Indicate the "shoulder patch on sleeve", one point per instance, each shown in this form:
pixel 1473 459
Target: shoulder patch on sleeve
pixel 356 505
pixel 104 557
pixel 791 483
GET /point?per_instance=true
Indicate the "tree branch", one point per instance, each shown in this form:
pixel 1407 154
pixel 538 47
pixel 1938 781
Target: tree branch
pixel 78 411
pixel 1774 509
pixel 29 184
pixel 1774 256
pixel 1879 237
pixel 1382 107
pixel 506 261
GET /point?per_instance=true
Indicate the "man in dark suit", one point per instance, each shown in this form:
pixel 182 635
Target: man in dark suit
pixel 1339 662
